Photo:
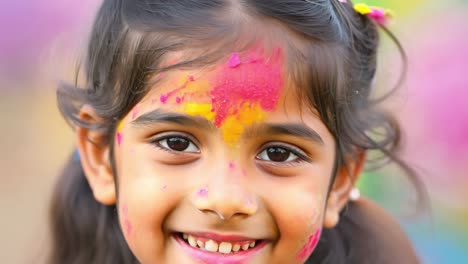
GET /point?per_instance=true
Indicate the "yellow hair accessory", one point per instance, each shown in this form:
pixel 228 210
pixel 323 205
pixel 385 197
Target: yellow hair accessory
pixel 362 9
pixel 377 14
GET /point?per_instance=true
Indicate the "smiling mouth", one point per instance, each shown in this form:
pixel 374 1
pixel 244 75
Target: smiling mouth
pixel 216 246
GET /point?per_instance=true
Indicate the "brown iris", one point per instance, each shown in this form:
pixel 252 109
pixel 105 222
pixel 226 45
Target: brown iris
pixel 178 143
pixel 277 154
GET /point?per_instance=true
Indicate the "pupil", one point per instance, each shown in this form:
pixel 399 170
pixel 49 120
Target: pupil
pixel 277 154
pixel 177 143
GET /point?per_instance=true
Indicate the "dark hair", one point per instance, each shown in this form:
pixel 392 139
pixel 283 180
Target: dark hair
pixel 332 53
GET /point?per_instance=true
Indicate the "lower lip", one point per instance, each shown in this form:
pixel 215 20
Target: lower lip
pixel 207 257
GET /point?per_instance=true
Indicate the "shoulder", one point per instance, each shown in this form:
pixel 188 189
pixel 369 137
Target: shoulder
pixel 389 238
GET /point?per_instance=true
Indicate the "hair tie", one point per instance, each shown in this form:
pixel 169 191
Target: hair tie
pixel 378 14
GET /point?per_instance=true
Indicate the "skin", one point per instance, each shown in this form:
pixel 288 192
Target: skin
pixel 222 183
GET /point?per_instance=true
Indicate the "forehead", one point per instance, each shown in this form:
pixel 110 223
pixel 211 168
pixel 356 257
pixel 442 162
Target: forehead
pixel 247 75
pixel 242 91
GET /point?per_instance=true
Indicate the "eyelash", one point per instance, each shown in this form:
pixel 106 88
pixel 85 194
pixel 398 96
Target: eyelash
pixel 301 156
pixel 156 142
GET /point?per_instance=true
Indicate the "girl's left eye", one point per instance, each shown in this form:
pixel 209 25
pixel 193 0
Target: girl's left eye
pixel 178 144
pixel 279 154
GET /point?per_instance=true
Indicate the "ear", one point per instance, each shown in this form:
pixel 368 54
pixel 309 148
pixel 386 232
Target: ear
pixel 346 177
pixel 94 157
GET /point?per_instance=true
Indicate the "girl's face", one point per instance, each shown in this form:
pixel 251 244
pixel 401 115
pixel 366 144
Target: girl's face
pixel 222 166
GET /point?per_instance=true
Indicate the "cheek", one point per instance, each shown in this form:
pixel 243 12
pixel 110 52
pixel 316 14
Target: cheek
pixel 146 196
pixel 298 215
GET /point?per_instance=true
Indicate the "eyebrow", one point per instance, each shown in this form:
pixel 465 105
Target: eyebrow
pixel 290 129
pixel 293 129
pixel 160 116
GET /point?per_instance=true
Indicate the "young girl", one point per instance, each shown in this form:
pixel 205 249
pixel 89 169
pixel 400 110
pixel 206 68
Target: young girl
pixel 217 131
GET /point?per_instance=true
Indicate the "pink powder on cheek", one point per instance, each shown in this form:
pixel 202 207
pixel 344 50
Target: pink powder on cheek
pixel 127 225
pixel 232 165
pixel 309 247
pixel 202 192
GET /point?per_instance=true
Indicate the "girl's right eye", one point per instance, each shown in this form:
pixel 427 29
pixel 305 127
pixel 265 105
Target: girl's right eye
pixel 177 144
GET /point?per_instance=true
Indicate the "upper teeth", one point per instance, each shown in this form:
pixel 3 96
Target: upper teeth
pixel 221 247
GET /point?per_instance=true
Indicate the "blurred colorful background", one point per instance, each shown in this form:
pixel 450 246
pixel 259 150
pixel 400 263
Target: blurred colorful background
pixel 40 41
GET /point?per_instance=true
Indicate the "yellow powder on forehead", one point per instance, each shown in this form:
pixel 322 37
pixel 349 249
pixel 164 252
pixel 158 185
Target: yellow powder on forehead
pixel 200 109
pixel 235 124
pixel 197 87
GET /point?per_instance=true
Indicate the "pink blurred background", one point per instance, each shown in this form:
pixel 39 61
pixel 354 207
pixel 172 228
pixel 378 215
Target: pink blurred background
pixel 41 40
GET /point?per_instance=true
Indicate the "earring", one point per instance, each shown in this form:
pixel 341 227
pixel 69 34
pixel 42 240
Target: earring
pixel 354 194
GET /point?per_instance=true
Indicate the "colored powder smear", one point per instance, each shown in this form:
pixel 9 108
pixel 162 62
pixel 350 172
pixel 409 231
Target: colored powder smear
pixel 247 89
pixel 239 94
pixel 182 84
pixel 135 112
pixel 234 60
pixel 127 224
pixel 202 192
pixel 119 133
pixel 309 247
pixel 232 165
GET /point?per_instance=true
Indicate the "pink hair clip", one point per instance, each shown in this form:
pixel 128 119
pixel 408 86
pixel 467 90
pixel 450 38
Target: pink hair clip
pixel 378 14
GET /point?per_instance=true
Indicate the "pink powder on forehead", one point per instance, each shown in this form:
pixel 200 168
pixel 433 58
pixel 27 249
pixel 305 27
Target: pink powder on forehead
pixel 258 81
pixel 234 60
pixel 163 98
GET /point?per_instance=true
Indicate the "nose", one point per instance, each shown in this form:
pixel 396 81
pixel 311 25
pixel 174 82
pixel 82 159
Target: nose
pixel 226 195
